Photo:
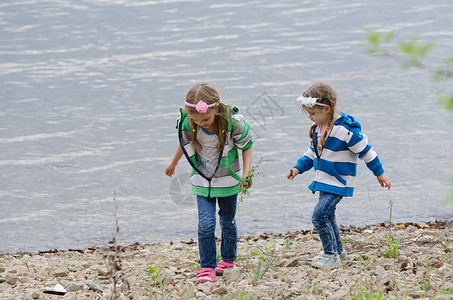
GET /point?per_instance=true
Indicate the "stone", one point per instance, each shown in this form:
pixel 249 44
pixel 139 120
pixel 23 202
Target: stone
pixel 103 271
pixel 168 279
pixel 61 272
pixel 74 288
pixel 292 263
pixel 443 297
pixel 70 296
pixel 231 275
pixel 415 295
pixel 11 279
pixel 385 282
pixel 220 291
pixel 341 281
pixel 340 294
pixel 205 287
pixel 80 275
pixel 290 279
pixel 94 287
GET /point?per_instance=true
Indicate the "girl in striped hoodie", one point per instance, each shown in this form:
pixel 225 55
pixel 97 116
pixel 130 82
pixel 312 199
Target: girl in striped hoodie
pixel 336 144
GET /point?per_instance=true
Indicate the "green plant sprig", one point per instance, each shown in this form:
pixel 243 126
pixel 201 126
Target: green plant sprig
pixel 392 248
pixel 247 181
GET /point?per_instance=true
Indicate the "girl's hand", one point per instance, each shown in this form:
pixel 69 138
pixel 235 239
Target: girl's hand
pixel 248 186
pixel 384 181
pixel 170 170
pixel 245 180
pixel 292 173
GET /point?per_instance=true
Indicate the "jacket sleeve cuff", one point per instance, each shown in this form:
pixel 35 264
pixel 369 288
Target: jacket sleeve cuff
pixel 375 166
pixel 304 164
pixel 378 171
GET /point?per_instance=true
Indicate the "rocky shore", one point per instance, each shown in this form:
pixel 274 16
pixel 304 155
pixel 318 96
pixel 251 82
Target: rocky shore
pixel 405 261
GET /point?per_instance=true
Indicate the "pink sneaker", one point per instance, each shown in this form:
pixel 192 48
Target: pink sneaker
pixel 205 275
pixel 222 265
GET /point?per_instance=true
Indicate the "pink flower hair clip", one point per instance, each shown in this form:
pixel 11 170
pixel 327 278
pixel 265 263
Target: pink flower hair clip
pixel 201 106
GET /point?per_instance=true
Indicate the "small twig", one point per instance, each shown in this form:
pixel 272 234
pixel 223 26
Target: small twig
pixel 112 259
pixel 390 221
pixel 371 204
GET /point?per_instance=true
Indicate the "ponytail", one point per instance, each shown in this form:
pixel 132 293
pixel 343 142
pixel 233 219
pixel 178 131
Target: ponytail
pixel 310 133
pixel 329 123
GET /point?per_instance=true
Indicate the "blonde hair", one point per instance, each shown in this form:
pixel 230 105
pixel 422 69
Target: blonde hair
pixel 325 94
pixel 205 92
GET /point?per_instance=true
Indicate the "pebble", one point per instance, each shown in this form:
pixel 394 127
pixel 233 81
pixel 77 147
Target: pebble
pixel 11 279
pixel 292 263
pixel 61 273
pixel 220 291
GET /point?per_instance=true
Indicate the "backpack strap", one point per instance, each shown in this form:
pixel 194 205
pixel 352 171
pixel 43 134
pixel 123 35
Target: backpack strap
pixel 232 123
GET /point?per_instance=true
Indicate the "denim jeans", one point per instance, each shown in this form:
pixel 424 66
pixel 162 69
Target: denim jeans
pixel 325 223
pixel 206 229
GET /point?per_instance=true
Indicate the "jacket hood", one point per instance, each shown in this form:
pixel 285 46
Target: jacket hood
pixel 348 120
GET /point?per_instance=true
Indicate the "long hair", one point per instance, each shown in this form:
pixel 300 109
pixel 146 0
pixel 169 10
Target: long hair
pixel 325 94
pixel 205 92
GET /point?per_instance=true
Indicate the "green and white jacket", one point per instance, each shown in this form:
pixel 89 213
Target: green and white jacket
pixel 225 181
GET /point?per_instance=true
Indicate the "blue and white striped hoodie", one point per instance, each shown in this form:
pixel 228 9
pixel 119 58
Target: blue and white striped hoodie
pixel 336 165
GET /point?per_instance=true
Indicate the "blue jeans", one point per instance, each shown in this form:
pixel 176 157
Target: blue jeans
pixel 206 229
pixel 325 223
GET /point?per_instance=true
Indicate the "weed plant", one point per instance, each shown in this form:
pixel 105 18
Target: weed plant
pixel 157 279
pixel 259 261
pixel 361 293
pixel 392 247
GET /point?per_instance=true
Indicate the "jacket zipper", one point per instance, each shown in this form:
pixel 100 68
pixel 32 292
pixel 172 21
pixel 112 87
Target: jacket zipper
pixel 218 165
pixel 193 165
pixel 318 155
pixel 209 190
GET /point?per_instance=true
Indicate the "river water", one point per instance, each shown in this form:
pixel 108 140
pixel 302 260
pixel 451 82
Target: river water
pixel 90 91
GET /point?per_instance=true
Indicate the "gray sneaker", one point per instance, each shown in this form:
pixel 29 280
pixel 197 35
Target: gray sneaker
pixel 331 261
pixel 343 255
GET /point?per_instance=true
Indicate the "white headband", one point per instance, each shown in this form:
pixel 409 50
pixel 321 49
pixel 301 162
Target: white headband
pixel 309 101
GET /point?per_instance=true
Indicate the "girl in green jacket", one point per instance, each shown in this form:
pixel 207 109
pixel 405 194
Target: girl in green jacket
pixel 210 134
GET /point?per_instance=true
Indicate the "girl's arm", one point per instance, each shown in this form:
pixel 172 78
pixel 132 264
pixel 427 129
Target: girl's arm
pixel 170 169
pixel 247 162
pixel 303 164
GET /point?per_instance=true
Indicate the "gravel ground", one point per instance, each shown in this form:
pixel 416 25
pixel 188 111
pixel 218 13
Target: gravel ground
pixel 416 262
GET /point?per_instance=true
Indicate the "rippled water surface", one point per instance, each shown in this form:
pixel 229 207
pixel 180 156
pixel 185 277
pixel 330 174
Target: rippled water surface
pixel 90 91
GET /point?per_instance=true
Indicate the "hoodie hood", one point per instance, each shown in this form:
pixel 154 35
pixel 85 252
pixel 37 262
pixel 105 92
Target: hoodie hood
pixel 348 120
